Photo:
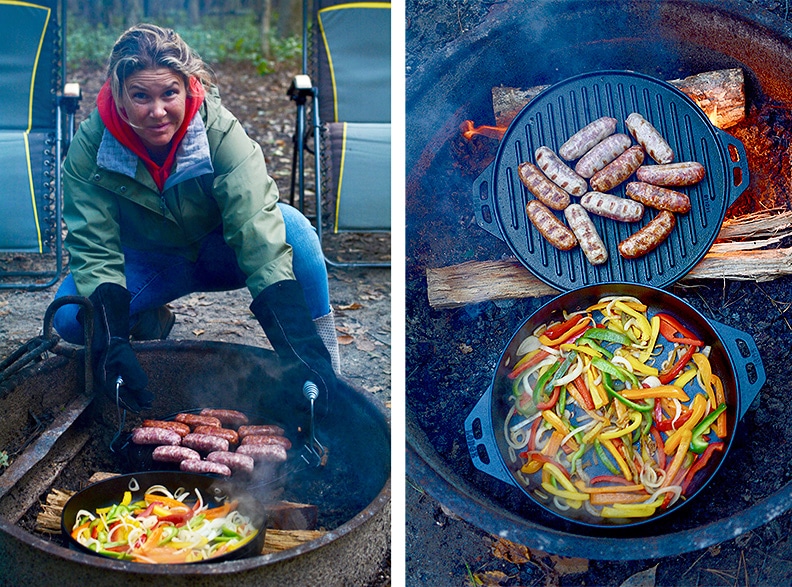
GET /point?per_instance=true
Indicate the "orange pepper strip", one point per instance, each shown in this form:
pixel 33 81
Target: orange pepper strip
pixel 576 329
pixel 666 391
pixel 612 488
pixel 608 444
pixel 160 554
pixel 705 372
pixel 221 511
pixel 582 390
pixel 80 528
pixel 679 458
pixel 164 500
pixel 699 407
pixel 554 444
pixel 611 498
pixel 720 423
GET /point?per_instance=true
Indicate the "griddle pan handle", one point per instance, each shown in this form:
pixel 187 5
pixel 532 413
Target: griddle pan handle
pixel 747 362
pixel 484 202
pixel 481 441
pixel 737 165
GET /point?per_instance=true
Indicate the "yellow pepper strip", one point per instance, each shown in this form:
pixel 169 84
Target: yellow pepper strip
pixel 531 467
pixel 647 352
pixel 611 488
pixel 720 423
pixel 593 433
pixel 586 350
pixel 641 321
pixel 525 358
pixel 577 328
pixel 639 512
pixel 667 391
pixel 699 407
pixel 640 366
pixel 619 458
pixel 570 495
pixel 635 421
pixel 679 457
pixel 686 377
pixel 634 506
pixel 552 418
pixel 127 498
pixel 603 305
pixel 705 372
pixel 556 473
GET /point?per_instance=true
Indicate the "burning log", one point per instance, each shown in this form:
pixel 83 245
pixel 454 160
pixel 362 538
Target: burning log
pixel 720 94
pixel 480 281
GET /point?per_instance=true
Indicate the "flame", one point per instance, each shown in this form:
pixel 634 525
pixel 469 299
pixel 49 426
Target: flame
pixel 469 130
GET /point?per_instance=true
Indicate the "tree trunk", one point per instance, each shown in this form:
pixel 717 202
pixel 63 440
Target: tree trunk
pixel 134 12
pixel 289 18
pixel 266 24
pixel 194 12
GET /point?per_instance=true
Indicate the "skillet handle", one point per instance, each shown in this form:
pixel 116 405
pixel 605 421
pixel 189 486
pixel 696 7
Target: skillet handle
pixel 737 165
pixel 744 355
pixel 481 441
pixel 484 202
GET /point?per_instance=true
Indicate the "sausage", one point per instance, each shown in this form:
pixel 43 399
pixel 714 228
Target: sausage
pixel 196 420
pixel 267 439
pixel 612 206
pixel 647 238
pixel 617 170
pixel 549 226
pixel 545 190
pixel 238 463
pixel 590 242
pixel 200 466
pixel 602 154
pixel 230 435
pixel 260 429
pixel 269 453
pixel 174 454
pixel 658 197
pixel 178 427
pixel 583 140
pixel 672 174
pixel 649 138
pixel 204 443
pixel 559 172
pixel 154 435
pixel 232 418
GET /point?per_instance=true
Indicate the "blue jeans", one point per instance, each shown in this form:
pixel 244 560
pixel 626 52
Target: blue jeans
pixel 154 279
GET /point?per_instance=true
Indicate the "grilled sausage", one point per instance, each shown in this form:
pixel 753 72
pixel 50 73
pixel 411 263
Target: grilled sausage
pixel 238 463
pixel 230 435
pixel 590 242
pixel 154 435
pixel 260 429
pixel 178 427
pixel 545 190
pixel 549 226
pixel 559 172
pixel 267 453
pixel 204 443
pixel 583 140
pixel 174 454
pixel 658 197
pixel 649 138
pixel 672 174
pixel 232 418
pixel 267 439
pixel 613 207
pixel 602 154
pixel 196 420
pixel 617 170
pixel 649 237
pixel 199 466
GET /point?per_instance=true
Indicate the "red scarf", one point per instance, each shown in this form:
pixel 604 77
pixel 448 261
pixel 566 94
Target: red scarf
pixel 126 135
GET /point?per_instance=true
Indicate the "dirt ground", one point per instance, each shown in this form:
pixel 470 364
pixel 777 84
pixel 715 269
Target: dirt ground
pixel 360 297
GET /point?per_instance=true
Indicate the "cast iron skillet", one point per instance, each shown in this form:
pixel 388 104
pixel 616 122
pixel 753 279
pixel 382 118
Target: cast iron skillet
pixel 734 357
pixel 213 489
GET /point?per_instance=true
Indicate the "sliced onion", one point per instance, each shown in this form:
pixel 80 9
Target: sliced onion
pixel 573 373
pixel 651 381
pixel 529 343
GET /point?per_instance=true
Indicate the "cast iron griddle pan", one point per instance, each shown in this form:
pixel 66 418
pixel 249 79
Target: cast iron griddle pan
pixel 566 107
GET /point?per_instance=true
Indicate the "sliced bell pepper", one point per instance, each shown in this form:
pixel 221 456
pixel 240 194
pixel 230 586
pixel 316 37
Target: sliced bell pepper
pixel 607 335
pixel 679 457
pixel 698 444
pixel 604 458
pixel 557 330
pixel 671 374
pixel 607 367
pixel 568 335
pixel 705 372
pixel 613 498
pixel 544 379
pixel 527 362
pixel 608 479
pixel 589 342
pixel 720 424
pixel 700 463
pixel 580 387
pixel 685 377
pixel 623 466
pixel 670 424
pixel 698 410
pixel 635 421
pixel 640 366
pixel 668 391
pixel 608 384
pixel 565 493
pixel 673 331
pixel 647 352
pixel 640 319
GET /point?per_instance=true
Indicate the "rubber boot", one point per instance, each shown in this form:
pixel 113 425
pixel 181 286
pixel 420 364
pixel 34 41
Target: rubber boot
pixel 325 327
pixel 154 324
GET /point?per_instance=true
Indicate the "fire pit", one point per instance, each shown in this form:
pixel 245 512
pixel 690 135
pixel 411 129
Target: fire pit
pixel 452 353
pixel 71 434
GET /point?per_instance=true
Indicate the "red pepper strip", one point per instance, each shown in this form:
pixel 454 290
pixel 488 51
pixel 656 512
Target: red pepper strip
pixel 670 328
pixel 147 512
pixel 660 446
pixel 177 519
pixel 657 413
pixel 569 336
pixel 700 463
pixel 671 424
pixel 563 327
pixel 609 479
pixel 542 354
pixel 677 368
pixel 551 401
pixel 532 438
pixel 584 392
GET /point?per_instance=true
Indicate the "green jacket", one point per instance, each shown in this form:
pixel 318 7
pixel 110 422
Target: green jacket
pixel 219 178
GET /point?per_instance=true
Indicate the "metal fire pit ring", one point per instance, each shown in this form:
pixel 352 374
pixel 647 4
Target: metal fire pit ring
pixel 555 115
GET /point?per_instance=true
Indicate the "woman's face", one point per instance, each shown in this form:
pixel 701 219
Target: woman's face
pixel 154 101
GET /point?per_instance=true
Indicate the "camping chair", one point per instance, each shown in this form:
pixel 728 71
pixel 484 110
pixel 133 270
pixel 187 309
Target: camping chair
pixel 348 83
pixel 32 141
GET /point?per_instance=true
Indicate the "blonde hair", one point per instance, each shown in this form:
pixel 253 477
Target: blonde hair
pixel 148 46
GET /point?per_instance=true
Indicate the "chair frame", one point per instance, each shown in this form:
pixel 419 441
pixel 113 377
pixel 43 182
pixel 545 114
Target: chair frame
pixel 301 90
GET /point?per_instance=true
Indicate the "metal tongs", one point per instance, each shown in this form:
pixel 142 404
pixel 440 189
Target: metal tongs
pixel 316 451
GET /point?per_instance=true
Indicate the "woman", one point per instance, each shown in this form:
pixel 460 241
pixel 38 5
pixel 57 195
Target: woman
pixel 165 195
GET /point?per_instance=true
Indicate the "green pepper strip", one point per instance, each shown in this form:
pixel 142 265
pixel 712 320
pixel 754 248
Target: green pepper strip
pixel 609 464
pixel 589 342
pixel 615 371
pixel 608 384
pixel 698 444
pixel 543 380
pixel 576 456
pixel 607 335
